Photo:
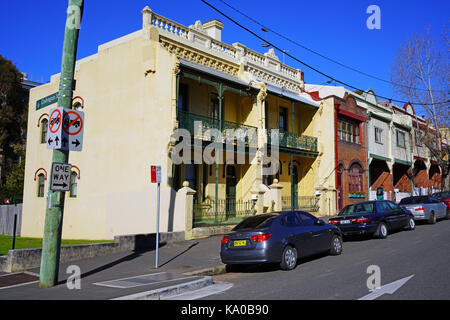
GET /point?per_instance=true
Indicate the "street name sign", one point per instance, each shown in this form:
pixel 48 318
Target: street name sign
pixel 46 101
pixel 65 129
pixel 60 177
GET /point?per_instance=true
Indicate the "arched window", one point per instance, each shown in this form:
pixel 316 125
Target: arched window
pixel 40 186
pixel 355 177
pixel 73 184
pixel 44 126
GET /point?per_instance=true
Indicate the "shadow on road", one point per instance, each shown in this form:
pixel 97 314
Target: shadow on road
pixel 135 254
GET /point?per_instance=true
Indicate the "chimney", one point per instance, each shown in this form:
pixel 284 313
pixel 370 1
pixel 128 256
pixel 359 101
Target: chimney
pixel 214 29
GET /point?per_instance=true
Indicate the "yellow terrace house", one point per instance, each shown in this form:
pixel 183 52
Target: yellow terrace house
pixel 207 112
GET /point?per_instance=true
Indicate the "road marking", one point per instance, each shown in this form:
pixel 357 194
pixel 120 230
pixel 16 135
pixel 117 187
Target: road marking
pixel 136 281
pixel 216 288
pixel 389 288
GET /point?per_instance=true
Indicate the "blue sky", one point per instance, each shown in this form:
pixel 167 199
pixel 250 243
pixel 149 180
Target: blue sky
pixel 31 32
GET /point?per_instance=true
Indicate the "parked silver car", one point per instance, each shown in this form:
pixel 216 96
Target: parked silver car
pixel 425 208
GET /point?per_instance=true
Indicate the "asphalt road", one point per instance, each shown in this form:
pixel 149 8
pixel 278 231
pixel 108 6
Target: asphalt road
pixel 423 253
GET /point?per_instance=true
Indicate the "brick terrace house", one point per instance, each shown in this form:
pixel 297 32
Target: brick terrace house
pixel 350 143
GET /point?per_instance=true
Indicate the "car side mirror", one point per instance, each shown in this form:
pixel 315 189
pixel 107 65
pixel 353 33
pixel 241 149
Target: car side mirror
pixel 319 222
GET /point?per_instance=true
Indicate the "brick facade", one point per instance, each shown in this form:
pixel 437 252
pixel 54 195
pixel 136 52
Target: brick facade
pixel 351 155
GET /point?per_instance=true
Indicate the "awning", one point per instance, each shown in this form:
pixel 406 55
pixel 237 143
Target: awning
pixel 213 72
pixel 304 97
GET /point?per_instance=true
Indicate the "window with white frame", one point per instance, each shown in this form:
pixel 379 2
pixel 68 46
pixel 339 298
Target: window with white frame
pixel 400 137
pixel 44 126
pixel 348 131
pixel 378 135
pixel 40 185
pixel 73 184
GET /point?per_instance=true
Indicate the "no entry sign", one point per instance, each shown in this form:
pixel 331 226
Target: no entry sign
pixel 65 129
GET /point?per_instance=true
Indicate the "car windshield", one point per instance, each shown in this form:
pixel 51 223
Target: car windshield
pixel 358 208
pixel 415 200
pixel 444 194
pixel 255 222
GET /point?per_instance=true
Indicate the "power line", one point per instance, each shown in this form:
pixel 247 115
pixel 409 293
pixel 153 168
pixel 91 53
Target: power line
pixel 321 55
pixel 311 67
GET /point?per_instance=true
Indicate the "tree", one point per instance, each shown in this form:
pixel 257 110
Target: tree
pixel 13 118
pixel 420 74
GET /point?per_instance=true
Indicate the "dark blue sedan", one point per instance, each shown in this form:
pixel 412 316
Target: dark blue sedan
pixel 375 218
pixel 279 238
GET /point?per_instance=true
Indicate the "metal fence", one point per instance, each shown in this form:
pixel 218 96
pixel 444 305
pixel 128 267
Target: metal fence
pixel 307 203
pixel 229 211
pixel 7 213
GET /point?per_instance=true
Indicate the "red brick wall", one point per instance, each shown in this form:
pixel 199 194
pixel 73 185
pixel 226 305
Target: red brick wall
pixel 349 153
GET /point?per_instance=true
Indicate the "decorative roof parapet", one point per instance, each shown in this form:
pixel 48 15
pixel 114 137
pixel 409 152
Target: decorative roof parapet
pixel 193 43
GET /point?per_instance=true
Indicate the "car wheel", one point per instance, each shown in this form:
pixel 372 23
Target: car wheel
pixel 288 258
pixel 411 225
pixel 432 219
pixel 447 216
pixel 336 245
pixel 382 231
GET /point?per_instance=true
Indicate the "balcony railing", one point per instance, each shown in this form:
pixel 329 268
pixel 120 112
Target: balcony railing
pixel 295 141
pixel 200 127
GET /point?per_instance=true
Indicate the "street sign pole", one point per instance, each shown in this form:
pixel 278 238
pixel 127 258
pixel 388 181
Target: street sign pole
pixel 54 212
pixel 155 173
pixel 157 225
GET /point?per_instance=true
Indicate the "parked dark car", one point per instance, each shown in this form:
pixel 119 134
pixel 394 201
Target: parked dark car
pixel 279 238
pixel 375 218
pixel 443 196
pixel 425 208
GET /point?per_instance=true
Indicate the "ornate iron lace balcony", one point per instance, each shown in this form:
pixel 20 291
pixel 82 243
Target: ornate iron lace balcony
pixel 294 141
pixel 200 127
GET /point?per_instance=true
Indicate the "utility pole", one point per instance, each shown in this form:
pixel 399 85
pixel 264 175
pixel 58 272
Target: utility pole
pixel 54 212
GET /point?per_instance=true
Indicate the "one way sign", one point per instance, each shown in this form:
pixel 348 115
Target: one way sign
pixel 60 178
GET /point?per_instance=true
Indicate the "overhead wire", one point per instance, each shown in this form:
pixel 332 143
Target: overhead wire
pixel 309 66
pixel 319 54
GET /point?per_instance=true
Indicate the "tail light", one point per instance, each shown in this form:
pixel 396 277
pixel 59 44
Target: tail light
pixel 261 237
pixel 333 221
pixel 224 240
pixel 419 209
pixel 362 220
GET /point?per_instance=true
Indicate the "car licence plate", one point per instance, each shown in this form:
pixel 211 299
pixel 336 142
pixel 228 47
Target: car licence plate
pixel 345 221
pixel 240 243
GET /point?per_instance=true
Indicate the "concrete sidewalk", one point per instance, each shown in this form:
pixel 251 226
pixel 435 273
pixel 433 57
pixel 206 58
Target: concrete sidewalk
pixel 181 265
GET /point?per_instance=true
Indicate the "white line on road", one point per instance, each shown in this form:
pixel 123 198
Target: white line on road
pixel 216 288
pixel 389 288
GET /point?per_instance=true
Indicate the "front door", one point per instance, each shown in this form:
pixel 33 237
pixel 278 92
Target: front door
pixel 230 201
